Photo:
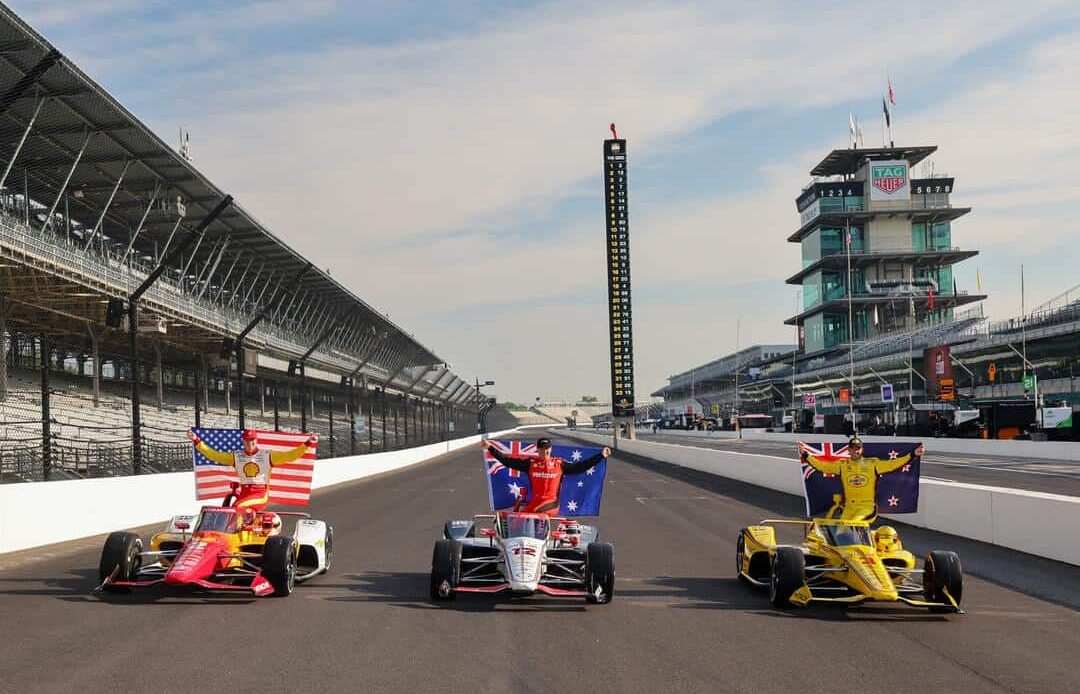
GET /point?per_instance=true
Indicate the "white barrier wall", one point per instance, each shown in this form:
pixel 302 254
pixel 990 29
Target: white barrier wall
pixel 1046 525
pixel 1054 450
pixel 33 514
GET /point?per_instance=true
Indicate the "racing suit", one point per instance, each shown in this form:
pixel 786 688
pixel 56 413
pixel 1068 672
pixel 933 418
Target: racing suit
pixel 859 477
pixel 545 477
pixel 253 470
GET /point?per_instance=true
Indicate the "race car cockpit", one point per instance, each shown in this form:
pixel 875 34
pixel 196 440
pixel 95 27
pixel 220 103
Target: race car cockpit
pixel 216 521
pixel 842 535
pixel 524 525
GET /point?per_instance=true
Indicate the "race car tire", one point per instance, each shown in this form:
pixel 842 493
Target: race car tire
pixel 788 575
pixel 740 549
pixel 942 572
pixel 445 569
pixel 122 553
pixel 599 572
pixel 279 564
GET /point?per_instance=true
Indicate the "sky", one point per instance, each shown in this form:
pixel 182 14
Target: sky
pixel 443 159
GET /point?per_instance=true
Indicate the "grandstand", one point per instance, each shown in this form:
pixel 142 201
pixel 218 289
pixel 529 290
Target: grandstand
pixel 137 299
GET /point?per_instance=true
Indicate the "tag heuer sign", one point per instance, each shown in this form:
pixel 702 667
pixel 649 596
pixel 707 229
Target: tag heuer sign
pixel 889 180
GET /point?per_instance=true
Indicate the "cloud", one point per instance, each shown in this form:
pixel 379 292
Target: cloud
pixel 430 174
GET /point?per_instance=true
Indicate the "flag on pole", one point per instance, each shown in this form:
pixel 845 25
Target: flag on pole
pixel 892 96
pixel 888 115
pixel 853 129
pixel 289 484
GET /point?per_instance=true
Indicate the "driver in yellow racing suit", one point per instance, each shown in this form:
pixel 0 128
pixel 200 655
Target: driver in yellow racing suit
pixel 859 477
pixel 253 466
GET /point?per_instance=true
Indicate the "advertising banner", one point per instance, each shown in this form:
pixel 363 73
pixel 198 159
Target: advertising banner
pixel 887 392
pixel 889 181
pixel 937 367
pixel 1057 417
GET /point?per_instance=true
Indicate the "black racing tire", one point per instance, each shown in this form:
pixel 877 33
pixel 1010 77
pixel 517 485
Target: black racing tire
pixel 787 576
pixel 599 572
pixel 279 564
pixel 740 549
pixel 942 572
pixel 445 570
pixel 122 553
pixel 328 547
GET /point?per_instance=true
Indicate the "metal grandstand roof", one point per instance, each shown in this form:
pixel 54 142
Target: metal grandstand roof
pixel 126 186
pixel 848 161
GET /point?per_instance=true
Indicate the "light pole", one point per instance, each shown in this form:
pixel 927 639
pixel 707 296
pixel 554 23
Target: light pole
pixel 480 409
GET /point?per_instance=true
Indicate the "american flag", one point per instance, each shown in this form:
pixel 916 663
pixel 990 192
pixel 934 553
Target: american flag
pixel 290 484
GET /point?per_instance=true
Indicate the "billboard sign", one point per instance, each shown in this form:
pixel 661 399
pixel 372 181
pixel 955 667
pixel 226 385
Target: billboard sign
pixel 809 400
pixel 887 393
pixel 845 395
pixel 889 181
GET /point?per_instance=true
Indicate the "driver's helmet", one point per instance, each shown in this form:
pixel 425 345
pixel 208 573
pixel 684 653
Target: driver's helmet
pixel 275 522
pixel 886 540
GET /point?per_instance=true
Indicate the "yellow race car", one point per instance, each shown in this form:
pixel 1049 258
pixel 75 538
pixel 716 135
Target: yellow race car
pixel 844 561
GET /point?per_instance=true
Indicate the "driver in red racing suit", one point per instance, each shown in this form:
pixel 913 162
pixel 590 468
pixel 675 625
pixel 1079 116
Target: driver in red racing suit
pixel 545 473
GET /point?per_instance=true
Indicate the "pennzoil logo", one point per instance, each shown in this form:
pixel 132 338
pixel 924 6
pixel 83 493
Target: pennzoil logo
pixel 889 178
pixel 858 481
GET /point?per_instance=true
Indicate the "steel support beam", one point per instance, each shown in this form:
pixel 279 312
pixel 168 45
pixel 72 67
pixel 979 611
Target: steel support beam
pixel 67 180
pixel 22 141
pixel 138 229
pixel 168 241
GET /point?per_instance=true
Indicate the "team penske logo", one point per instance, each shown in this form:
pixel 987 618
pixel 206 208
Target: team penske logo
pixel 889 178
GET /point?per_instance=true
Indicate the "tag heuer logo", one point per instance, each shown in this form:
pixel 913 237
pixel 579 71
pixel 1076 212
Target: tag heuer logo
pixel 889 178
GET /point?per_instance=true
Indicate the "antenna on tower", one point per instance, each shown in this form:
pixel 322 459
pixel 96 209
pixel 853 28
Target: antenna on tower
pixel 185 143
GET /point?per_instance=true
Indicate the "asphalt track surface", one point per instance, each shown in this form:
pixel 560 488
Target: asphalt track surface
pixel 680 621
pixel 1036 475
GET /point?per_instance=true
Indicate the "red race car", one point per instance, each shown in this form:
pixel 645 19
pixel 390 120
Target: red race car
pixel 227 549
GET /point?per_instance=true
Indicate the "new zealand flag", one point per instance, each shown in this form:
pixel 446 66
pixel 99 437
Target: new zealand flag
pixel 897 491
pixel 579 495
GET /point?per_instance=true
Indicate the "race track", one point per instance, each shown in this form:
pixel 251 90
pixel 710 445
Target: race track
pixel 679 622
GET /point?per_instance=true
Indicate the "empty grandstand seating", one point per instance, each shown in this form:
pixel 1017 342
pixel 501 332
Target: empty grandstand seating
pixel 95 441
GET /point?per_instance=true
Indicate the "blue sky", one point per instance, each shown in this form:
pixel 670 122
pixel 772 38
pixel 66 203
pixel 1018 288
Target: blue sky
pixel 443 159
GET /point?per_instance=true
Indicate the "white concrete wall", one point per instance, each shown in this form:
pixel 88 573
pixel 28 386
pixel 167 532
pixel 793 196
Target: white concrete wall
pixel 33 514
pixel 1046 525
pixel 1053 450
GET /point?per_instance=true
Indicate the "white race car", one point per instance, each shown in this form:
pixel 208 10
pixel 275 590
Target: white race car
pixel 523 554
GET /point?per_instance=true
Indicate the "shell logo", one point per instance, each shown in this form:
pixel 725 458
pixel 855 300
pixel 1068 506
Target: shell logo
pixel 857 481
pixel 251 469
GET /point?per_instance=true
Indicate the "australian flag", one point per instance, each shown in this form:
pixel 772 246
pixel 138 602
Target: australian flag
pixel 579 496
pixel 897 491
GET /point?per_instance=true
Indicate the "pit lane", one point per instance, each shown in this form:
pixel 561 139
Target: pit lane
pixel 679 622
